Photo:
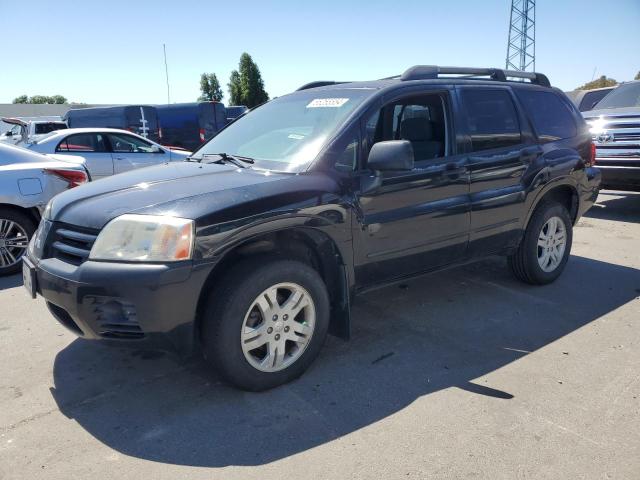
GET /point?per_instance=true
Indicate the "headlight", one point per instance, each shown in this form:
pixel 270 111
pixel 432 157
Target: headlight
pixel 145 238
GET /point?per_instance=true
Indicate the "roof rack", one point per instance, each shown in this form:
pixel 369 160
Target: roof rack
pixel 430 72
pixel 319 83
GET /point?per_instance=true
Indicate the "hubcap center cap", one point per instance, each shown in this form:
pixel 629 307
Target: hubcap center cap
pixel 278 326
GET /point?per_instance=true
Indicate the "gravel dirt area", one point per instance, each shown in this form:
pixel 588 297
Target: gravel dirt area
pixel 462 374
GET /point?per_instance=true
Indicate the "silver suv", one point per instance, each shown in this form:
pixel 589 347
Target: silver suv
pixel 615 126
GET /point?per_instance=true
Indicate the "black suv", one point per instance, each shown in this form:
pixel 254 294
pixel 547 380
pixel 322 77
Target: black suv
pixel 253 249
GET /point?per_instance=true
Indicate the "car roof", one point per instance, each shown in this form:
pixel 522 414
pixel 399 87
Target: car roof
pixel 71 131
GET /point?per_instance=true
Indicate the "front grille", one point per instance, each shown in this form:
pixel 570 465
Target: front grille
pixel 71 244
pixel 618 140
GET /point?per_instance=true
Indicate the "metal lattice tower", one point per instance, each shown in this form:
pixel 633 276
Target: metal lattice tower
pixel 521 47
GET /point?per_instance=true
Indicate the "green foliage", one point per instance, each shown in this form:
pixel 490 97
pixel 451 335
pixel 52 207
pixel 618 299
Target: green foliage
pixel 601 82
pixel 637 77
pixel 246 86
pixel 58 99
pixel 235 90
pixel 210 88
pixel 41 99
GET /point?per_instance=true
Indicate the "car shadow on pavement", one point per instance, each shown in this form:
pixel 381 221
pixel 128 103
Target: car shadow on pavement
pixel 619 206
pixel 11 281
pixel 442 331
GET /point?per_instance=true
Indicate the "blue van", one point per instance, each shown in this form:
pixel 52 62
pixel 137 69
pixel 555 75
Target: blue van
pixel 189 125
pixel 140 119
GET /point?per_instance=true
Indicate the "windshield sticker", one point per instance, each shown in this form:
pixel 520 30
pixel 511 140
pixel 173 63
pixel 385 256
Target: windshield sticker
pixel 296 136
pixel 327 102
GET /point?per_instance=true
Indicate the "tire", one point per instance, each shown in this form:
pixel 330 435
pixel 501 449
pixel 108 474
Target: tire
pixel 13 226
pixel 231 311
pixel 525 263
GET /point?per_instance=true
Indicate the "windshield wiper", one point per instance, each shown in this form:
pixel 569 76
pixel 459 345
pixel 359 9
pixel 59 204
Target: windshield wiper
pixel 225 157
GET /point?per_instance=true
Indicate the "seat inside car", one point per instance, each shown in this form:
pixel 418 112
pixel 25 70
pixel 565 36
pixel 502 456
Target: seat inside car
pixel 420 132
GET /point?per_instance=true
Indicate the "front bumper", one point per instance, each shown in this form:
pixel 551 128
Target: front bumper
pixel 152 304
pixel 617 177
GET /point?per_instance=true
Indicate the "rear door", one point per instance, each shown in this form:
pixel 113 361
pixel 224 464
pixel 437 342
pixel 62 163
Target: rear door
pixel 500 148
pixel 93 148
pixel 130 153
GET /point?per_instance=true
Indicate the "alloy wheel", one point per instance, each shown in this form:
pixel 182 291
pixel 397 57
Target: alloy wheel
pixel 13 242
pixel 278 327
pixel 552 242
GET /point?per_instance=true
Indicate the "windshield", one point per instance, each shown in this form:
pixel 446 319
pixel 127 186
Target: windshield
pixel 287 133
pixel 626 95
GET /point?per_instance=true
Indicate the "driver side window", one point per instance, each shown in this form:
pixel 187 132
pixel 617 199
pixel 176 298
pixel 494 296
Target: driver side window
pixel 420 119
pixel 121 143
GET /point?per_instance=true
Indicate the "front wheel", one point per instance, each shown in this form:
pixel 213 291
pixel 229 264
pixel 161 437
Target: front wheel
pixel 265 322
pixel 546 246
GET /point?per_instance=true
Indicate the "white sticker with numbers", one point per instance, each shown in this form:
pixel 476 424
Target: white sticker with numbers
pixel 327 102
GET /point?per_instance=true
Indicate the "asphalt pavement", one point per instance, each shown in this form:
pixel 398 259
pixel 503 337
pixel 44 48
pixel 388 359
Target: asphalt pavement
pixel 466 373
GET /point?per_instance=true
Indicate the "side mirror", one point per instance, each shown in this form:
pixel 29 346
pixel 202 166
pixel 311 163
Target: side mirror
pixel 387 156
pixel 155 149
pixel 391 155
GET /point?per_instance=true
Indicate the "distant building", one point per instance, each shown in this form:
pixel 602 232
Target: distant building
pixel 31 111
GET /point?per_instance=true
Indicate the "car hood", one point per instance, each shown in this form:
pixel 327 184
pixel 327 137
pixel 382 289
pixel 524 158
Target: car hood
pixel 612 112
pixel 183 189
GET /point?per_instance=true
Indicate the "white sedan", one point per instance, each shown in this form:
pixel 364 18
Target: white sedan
pixel 28 181
pixel 107 151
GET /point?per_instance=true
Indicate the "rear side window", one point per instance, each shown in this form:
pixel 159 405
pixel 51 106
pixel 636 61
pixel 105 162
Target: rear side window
pixel 491 118
pixel 551 117
pixel 83 142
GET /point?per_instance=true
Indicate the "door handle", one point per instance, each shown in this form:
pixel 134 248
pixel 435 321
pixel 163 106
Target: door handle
pixel 120 158
pixel 530 153
pixel 453 170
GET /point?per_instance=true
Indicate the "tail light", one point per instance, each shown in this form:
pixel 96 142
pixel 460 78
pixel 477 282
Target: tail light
pixel 75 178
pixel 592 155
pixel 202 134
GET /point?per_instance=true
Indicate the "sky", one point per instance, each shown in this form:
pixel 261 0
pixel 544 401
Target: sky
pixel 110 51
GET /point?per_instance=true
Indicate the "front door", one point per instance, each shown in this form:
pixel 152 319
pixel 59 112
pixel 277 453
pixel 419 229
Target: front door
pixel 131 152
pixel 418 220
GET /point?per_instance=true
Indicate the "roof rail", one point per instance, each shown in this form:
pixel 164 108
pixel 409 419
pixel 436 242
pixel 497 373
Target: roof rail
pixel 319 83
pixel 426 72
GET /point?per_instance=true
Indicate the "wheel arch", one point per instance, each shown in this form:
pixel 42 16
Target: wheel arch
pixel 32 212
pixel 563 191
pixel 308 245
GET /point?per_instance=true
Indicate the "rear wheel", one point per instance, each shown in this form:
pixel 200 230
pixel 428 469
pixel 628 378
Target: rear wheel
pixel 545 248
pixel 265 323
pixel 16 229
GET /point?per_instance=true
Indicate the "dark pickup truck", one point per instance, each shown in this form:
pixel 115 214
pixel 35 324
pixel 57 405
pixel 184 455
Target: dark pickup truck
pixel 255 248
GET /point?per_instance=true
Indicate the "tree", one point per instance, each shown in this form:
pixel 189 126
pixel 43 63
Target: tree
pixel 637 77
pixel 601 82
pixel 55 99
pixel 235 90
pixel 210 88
pixel 58 99
pixel 246 86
